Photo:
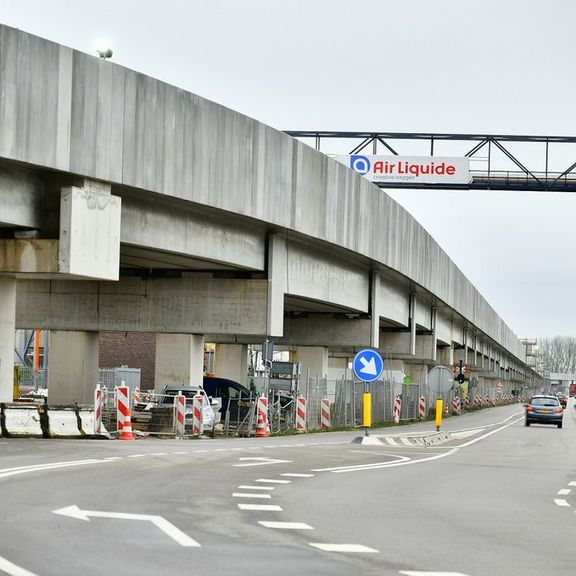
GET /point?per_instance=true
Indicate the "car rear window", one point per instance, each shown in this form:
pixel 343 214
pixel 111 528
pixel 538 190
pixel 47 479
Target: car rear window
pixel 544 402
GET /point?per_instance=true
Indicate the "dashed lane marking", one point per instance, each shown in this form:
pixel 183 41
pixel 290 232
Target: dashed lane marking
pixel 571 483
pixel 561 502
pixel 286 525
pixel 295 475
pixel 356 548
pixel 412 573
pixel 564 492
pixel 250 495
pixel 273 481
pixel 260 507
pixel 244 487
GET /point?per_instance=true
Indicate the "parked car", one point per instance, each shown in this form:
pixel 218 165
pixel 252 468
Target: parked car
pixel 234 397
pixel 544 409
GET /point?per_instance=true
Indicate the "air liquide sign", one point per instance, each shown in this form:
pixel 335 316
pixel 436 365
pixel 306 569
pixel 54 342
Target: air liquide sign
pixel 410 169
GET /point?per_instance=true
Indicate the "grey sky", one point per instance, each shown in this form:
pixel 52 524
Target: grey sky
pixel 503 66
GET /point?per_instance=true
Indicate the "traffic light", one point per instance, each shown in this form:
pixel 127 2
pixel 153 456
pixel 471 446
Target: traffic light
pixel 460 378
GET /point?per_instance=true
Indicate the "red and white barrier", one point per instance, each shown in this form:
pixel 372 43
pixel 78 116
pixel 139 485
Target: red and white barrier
pixel 180 415
pixel 397 409
pixel 197 420
pixel 456 405
pixel 301 414
pixel 325 416
pixel 466 402
pixel 486 400
pixel 422 408
pixel 477 401
pixel 98 402
pixel 262 427
pixel 122 406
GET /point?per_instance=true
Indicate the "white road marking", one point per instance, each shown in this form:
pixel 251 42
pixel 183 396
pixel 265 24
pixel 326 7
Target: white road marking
pixel 137 455
pixel 167 527
pixel 272 481
pixel 363 466
pixel 180 452
pixel 262 507
pixel 344 548
pixel 412 573
pixel 13 570
pixel 571 483
pixel 294 475
pixel 286 525
pixel 243 487
pixel 560 502
pixel 564 492
pixel 250 495
pixel 5 473
pixel 261 461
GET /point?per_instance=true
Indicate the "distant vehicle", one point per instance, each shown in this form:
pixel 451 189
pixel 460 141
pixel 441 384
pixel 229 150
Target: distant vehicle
pixel 544 409
pixel 563 398
pixel 572 390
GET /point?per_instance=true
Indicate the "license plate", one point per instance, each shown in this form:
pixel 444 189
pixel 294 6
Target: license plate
pixel 546 411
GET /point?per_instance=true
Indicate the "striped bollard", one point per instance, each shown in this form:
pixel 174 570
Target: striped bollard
pixel 180 415
pixel 447 408
pixel 97 410
pixel 136 396
pixel 422 408
pixel 477 401
pixel 197 421
pixel 262 425
pixel 466 402
pixel 456 405
pixel 301 414
pixel 104 396
pixel 122 406
pixel 325 416
pixel 486 400
pixel 397 409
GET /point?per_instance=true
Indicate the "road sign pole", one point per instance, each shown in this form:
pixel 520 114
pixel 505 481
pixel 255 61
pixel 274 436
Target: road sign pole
pixel 367 412
pixel 438 421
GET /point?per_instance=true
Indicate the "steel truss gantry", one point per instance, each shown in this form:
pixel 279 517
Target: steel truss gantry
pixel 493 148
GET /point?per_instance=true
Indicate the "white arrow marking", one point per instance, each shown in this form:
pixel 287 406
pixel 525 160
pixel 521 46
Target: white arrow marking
pixel 261 461
pixel 167 527
pixel 13 570
pixel 369 366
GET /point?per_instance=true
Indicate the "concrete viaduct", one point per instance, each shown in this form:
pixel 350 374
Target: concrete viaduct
pixel 128 204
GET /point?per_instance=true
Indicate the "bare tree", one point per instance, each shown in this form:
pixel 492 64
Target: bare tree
pixel 558 354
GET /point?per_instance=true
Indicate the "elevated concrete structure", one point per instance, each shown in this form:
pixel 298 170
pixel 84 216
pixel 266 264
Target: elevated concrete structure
pixel 129 204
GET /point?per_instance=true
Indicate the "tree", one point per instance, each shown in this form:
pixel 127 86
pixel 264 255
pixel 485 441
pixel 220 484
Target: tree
pixel 558 354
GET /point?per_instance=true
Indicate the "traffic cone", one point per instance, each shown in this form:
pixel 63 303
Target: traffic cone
pixel 126 433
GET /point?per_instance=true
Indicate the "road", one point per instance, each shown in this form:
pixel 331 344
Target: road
pixel 496 498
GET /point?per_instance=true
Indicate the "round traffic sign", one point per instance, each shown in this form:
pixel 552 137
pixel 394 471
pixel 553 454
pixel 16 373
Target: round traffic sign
pixel 368 365
pixel 440 379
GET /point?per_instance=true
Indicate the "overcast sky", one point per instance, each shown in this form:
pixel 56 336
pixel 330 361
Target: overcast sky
pixel 490 67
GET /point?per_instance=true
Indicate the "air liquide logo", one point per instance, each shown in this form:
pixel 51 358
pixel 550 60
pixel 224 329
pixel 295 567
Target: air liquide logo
pixel 360 164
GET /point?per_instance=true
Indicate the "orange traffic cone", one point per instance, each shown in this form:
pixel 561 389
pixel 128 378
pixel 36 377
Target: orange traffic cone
pixel 126 433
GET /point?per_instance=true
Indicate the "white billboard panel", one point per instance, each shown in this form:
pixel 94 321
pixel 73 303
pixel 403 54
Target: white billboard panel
pixel 409 169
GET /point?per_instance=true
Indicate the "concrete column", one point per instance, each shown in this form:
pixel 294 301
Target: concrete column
pixel 72 367
pixel 7 330
pixel 179 360
pixel 277 284
pixel 313 359
pixel 231 361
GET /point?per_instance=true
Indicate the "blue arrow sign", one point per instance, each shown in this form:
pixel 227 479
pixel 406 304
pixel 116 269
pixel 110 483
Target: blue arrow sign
pixel 368 365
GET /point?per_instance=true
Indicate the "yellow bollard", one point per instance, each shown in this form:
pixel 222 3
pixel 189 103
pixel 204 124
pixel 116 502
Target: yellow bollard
pixel 438 414
pixel 367 410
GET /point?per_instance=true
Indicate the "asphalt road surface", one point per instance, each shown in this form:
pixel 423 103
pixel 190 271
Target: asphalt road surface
pixel 496 499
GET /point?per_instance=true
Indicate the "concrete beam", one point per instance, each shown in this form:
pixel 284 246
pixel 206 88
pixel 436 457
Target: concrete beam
pixel 198 304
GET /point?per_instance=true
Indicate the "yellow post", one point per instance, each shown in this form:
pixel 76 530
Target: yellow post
pixel 438 414
pixel 16 390
pixel 367 410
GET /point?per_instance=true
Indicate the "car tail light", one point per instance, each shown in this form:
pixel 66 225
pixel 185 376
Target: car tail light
pixel 559 409
pixel 529 409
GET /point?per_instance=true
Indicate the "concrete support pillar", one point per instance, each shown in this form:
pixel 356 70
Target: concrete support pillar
pixel 7 329
pixel 277 284
pixel 313 359
pixel 179 360
pixel 231 361
pixel 72 367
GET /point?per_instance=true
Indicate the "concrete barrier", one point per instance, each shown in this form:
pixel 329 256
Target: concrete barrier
pixel 87 425
pixel 63 423
pixel 22 421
